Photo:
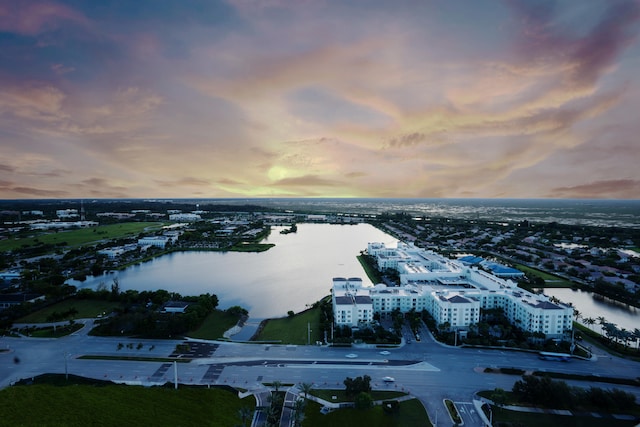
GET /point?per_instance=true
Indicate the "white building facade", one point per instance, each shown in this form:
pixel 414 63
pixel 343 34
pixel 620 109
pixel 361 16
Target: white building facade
pixel 352 303
pixel 451 292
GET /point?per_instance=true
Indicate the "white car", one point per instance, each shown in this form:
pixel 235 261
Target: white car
pixel 388 379
pixel 351 355
pixel 385 353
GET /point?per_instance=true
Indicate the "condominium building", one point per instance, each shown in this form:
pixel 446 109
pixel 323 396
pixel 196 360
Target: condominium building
pixel 351 301
pixel 452 293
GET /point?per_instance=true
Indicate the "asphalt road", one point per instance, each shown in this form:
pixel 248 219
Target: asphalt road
pixel 426 369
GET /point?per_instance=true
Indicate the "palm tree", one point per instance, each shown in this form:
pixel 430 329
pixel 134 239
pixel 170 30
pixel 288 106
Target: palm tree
pixel 298 411
pixel 245 414
pixel 636 336
pixel 577 314
pixel 276 385
pixel 602 321
pixel 306 388
pixel 590 321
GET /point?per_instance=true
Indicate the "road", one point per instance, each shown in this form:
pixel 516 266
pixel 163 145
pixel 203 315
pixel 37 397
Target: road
pixel 427 370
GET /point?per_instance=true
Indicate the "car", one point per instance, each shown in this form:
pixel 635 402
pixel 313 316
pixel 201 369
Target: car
pixel 388 379
pixel 385 353
pixel 351 355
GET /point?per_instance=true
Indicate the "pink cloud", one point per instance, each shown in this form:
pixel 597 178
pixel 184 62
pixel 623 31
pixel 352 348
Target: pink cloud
pixel 35 17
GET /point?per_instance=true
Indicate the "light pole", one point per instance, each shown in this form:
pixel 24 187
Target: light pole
pixel 66 369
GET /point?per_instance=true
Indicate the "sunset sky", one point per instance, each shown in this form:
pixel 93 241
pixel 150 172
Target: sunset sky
pixel 314 98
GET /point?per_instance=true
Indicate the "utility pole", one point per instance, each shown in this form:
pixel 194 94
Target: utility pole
pixel 175 374
pixel 308 333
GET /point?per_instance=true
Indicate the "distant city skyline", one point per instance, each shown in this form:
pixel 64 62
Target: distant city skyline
pixel 306 98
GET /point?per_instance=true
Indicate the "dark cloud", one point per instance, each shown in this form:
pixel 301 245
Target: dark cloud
pixel 7 168
pixel 39 192
pixel 228 181
pixel 184 181
pixel 588 54
pixel 600 48
pixel 408 140
pixel 355 174
pixel 613 188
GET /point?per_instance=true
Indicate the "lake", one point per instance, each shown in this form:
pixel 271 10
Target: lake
pixel 623 315
pixel 296 272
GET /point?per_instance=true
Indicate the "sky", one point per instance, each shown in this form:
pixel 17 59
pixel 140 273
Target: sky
pixel 315 98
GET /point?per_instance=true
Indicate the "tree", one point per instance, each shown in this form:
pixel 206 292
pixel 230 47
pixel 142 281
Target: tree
pixel 276 385
pixel 291 313
pixel 245 413
pixel 306 388
pixel 589 321
pixel 357 385
pixel 298 411
pixel 601 321
pixel 499 397
pixel 363 400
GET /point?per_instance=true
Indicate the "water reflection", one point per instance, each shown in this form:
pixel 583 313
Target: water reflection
pixel 296 272
pixel 623 315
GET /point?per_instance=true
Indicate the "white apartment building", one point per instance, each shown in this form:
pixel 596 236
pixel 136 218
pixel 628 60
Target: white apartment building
pixel 351 302
pixel 67 213
pixel 159 241
pixel 184 217
pixel 454 293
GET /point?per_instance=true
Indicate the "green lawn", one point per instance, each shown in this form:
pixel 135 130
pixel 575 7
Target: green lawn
pixel 527 419
pixel 293 330
pixel 215 325
pixel 551 280
pixel 59 331
pixel 119 405
pixel 86 309
pixel 82 236
pixel 411 414
pixel 371 271
pixel 341 395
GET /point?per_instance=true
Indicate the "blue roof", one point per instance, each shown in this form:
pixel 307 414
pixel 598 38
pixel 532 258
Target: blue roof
pixel 471 259
pixel 502 269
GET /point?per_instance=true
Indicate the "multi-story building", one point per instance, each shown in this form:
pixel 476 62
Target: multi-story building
pixel 452 293
pixel 351 302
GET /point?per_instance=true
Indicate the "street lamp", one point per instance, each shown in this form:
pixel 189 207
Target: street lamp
pixel 66 368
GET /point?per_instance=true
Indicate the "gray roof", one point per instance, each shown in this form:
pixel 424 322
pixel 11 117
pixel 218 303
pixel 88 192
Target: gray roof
pixel 547 306
pixel 457 299
pixel 343 300
pixel 363 299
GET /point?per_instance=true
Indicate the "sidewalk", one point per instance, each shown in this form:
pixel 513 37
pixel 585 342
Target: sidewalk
pixel 478 401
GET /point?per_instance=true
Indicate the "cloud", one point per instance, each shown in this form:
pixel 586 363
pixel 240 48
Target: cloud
pixel 18 191
pixel 187 181
pixel 35 17
pixel 307 180
pixel 607 189
pixel 6 168
pixel 279 98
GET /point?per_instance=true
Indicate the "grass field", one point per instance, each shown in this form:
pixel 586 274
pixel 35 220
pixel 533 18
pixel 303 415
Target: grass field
pixel 551 280
pixel 372 273
pixel 341 395
pixel 119 405
pixel 83 236
pixel 411 414
pixel 215 325
pixel 86 309
pixel 528 419
pixel 293 330
pixel 60 331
